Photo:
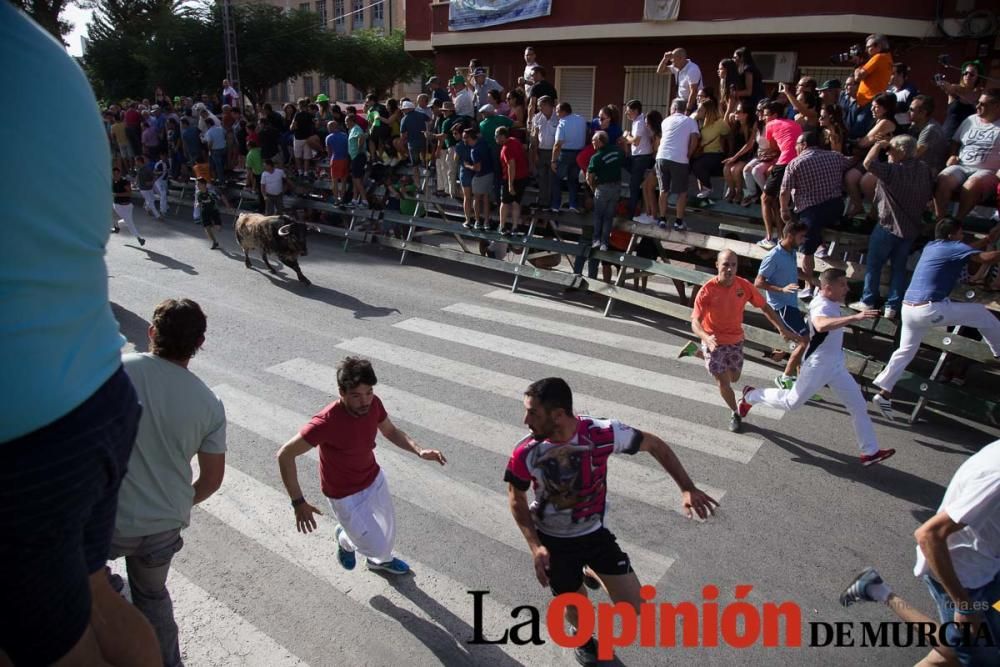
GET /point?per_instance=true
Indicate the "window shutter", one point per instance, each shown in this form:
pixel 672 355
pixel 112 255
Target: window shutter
pixel 576 86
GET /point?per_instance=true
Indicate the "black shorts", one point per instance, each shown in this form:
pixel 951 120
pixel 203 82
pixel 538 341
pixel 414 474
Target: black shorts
pixel 211 217
pixel 772 186
pixel 58 500
pixel 508 196
pixel 598 550
pixel 358 165
pixel 817 218
pixel 792 318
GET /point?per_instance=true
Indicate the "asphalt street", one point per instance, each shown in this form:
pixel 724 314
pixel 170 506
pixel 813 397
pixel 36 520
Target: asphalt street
pixel 453 349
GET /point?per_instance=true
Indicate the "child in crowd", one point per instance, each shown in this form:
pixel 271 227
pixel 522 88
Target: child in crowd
pixel 208 203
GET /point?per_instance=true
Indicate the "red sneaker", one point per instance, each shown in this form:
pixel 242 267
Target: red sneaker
pixel 880 455
pixel 744 407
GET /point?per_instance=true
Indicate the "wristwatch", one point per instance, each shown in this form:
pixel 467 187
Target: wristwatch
pixel 299 501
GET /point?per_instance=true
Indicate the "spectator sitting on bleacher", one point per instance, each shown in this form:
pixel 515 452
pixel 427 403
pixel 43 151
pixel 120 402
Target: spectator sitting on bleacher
pixel 904 185
pixel 743 127
pixel 813 182
pixel 904 91
pixel 831 122
pixel 971 171
pixel 756 171
pixel 714 131
pixel 932 145
pixel 857 118
pixel 782 134
pixel 829 92
pixel 859 184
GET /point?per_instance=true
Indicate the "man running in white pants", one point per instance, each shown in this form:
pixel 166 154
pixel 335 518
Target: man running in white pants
pixel 351 479
pixel 926 304
pixel 824 365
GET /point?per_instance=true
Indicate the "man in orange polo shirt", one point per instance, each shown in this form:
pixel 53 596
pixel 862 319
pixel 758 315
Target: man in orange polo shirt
pixel 874 75
pixel 717 319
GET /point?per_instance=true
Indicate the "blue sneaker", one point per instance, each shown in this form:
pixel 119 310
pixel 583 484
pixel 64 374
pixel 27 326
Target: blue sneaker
pixel 346 558
pixel 395 566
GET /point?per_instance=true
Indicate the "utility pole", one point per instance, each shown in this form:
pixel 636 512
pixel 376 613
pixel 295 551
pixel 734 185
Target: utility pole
pixel 229 39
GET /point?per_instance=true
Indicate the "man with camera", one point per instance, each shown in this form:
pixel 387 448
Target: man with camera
pixel 873 77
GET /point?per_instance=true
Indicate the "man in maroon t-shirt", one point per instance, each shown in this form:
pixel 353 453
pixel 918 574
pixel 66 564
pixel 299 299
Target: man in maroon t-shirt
pixel 514 167
pixel 350 477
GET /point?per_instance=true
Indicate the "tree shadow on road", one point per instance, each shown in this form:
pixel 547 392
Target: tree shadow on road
pixel 132 326
pixel 362 310
pixel 167 261
pixel 881 476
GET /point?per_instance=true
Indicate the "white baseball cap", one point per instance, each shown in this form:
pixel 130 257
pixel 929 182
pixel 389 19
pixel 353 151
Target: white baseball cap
pixel 407 104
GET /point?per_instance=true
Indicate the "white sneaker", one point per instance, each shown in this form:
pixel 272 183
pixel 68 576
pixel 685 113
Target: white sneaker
pixel 595 244
pixel 859 306
pixel 644 219
pixel 704 193
pixel 884 406
pixel 604 247
pixel 806 293
pixel 890 313
pixel 821 252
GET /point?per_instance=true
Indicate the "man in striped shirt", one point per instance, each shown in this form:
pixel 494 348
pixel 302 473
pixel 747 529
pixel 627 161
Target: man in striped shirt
pixel 814 181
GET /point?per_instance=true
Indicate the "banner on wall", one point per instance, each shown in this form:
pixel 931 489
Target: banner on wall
pixel 472 14
pixel 661 10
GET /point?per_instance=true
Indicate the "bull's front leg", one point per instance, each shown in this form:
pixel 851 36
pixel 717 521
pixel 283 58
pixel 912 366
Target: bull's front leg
pixel 246 257
pixel 263 255
pixel 294 265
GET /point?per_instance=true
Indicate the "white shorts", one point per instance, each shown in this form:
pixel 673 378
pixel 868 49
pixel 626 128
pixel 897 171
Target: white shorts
pixel 368 519
pixel 301 149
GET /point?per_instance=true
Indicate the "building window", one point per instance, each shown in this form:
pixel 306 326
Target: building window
pixel 357 14
pixel 308 86
pixel 576 86
pixel 324 86
pixel 305 6
pixel 653 90
pixel 338 15
pixel 321 12
pixel 378 13
pixel 341 91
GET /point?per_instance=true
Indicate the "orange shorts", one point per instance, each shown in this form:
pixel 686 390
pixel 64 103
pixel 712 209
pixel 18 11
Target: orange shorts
pixel 339 169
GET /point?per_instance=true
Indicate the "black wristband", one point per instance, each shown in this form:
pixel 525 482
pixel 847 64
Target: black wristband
pixel 299 501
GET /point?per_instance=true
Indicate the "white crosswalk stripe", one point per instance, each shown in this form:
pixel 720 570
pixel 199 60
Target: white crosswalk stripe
pixel 418 482
pixel 223 636
pixel 648 345
pixel 578 363
pixel 523 298
pixel 630 479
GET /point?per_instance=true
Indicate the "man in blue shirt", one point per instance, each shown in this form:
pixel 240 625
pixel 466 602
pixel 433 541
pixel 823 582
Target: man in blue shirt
pixel 481 163
pixel 340 159
pixel 413 129
pixel 70 414
pixel 571 138
pixel 215 139
pixel 778 279
pixel 926 304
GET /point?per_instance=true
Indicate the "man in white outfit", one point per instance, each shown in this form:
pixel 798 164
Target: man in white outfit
pixel 926 304
pixel 824 365
pixel 350 477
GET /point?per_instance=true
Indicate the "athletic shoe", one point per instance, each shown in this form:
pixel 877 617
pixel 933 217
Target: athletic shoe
pixel 644 219
pixel 859 306
pixel 784 382
pixel 890 313
pixel 467 224
pixel 884 406
pixel 478 226
pixel 395 566
pixel 821 252
pixel 142 241
pixel 215 246
pixel 346 558
pixel 505 231
pixel 679 226
pixel 735 423
pixel 857 590
pixel 363 203
pixel 806 293
pixel 115 230
pixel 604 247
pixel 766 244
pixel 661 223
pixel 587 654
pixel 744 407
pixel 704 193
pixel 688 350
pixel 880 455
pixel 596 244
pixel 573 209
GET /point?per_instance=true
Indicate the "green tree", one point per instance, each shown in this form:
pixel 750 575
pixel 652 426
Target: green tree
pixel 371 61
pixel 46 13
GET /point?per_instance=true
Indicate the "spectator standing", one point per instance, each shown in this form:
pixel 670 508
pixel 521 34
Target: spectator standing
pixel 640 147
pixel 121 139
pixel 604 176
pixel 150 141
pixel 491 120
pixel 813 180
pixel 303 127
pixel 413 132
pixel 269 140
pixel 904 91
pixel 678 142
pixel 69 411
pixel 272 182
pixel 687 75
pixel 570 139
pixel 874 76
pixel 215 141
pixel 482 165
pixel 514 182
pixel 463 158
pixel 751 82
pixel 730 81
pixel 133 128
pixel 717 319
pixel 255 167
pixel 340 160
pixel 445 165
pixel 824 365
pixel 181 419
pixel 926 303
pixel 971 172
pixel 482 85
pixel 462 97
pixel 714 131
pixel 230 96
pixel 543 138
pixel 962 96
pixel 903 188
pixel 782 134
pixel 932 144
pixel 650 202
pixel 191 141
pixel 437 91
pixel 530 63
pixel 356 149
pixel 540 87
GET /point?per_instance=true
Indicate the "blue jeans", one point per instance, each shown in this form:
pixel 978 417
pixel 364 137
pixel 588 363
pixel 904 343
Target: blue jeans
pixel 884 246
pixel 583 250
pixel 219 164
pixel 985 596
pixel 567 168
pixel 605 203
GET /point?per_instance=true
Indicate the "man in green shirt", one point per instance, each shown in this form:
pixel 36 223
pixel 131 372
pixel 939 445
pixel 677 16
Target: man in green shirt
pixel 487 130
pixel 446 158
pixel 359 159
pixel 604 176
pixel 255 166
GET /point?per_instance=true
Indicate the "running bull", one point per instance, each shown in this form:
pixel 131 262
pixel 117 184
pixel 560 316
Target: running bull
pixel 277 234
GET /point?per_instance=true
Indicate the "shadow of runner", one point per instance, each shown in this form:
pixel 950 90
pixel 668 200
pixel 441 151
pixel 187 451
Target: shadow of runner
pixel 881 476
pixel 132 326
pixel 450 643
pixel 167 261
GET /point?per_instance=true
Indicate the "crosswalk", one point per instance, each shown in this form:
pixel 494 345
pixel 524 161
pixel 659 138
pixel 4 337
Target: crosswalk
pixel 256 509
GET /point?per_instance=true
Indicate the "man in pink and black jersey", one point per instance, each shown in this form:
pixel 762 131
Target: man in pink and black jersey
pixel 565 460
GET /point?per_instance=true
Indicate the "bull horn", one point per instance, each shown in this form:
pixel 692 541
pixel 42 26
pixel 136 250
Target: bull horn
pixel 284 230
